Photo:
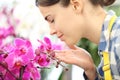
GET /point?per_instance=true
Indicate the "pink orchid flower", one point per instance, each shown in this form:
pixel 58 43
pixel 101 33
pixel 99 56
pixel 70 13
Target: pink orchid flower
pixel 21 55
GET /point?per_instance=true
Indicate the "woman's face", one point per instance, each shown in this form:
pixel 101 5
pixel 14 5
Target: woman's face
pixel 65 22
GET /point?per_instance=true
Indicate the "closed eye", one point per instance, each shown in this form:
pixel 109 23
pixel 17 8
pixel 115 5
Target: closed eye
pixel 49 19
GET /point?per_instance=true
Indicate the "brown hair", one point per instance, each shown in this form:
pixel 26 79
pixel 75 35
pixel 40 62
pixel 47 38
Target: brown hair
pixel 65 3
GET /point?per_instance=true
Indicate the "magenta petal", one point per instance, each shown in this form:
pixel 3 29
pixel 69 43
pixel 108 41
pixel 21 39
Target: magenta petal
pixel 21 42
pixel 42 48
pixel 26 75
pixel 1 42
pixel 57 47
pixel 28 43
pixel 10 60
pixel 30 53
pixel 47 41
pixel 1 58
pixel 36 74
pixel 25 60
pixel 18 42
pixel 33 71
pixel 43 60
pixel 11 30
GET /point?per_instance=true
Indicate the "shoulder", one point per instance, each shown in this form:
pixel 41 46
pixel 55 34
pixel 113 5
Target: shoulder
pixel 115 36
pixel 116 28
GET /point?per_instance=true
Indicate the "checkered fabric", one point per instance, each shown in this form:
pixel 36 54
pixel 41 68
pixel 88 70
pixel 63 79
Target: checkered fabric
pixel 114 46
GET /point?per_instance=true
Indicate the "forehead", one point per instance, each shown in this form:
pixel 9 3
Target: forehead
pixel 48 9
pixel 44 10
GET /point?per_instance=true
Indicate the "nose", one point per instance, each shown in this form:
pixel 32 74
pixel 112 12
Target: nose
pixel 53 31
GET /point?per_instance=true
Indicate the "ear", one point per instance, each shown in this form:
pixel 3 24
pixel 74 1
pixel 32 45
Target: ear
pixel 77 5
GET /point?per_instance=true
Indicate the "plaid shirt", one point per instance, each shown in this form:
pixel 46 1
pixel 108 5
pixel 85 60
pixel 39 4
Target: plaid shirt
pixel 114 46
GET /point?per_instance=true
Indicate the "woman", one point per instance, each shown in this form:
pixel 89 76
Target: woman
pixel 72 20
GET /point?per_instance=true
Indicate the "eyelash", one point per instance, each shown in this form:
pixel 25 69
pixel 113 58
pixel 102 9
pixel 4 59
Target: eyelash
pixel 50 20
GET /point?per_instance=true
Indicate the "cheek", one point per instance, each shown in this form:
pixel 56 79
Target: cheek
pixel 64 25
pixel 69 26
pixel 71 34
pixel 63 22
pixel 71 30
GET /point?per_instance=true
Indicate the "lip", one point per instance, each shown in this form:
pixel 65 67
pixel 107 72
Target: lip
pixel 60 36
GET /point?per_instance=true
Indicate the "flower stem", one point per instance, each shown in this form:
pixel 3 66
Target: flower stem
pixel 2 65
pixel 1 76
pixel 22 69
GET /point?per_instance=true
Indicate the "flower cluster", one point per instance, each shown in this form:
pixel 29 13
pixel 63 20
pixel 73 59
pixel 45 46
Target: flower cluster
pixel 19 60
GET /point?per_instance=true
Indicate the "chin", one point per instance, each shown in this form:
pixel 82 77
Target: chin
pixel 71 44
